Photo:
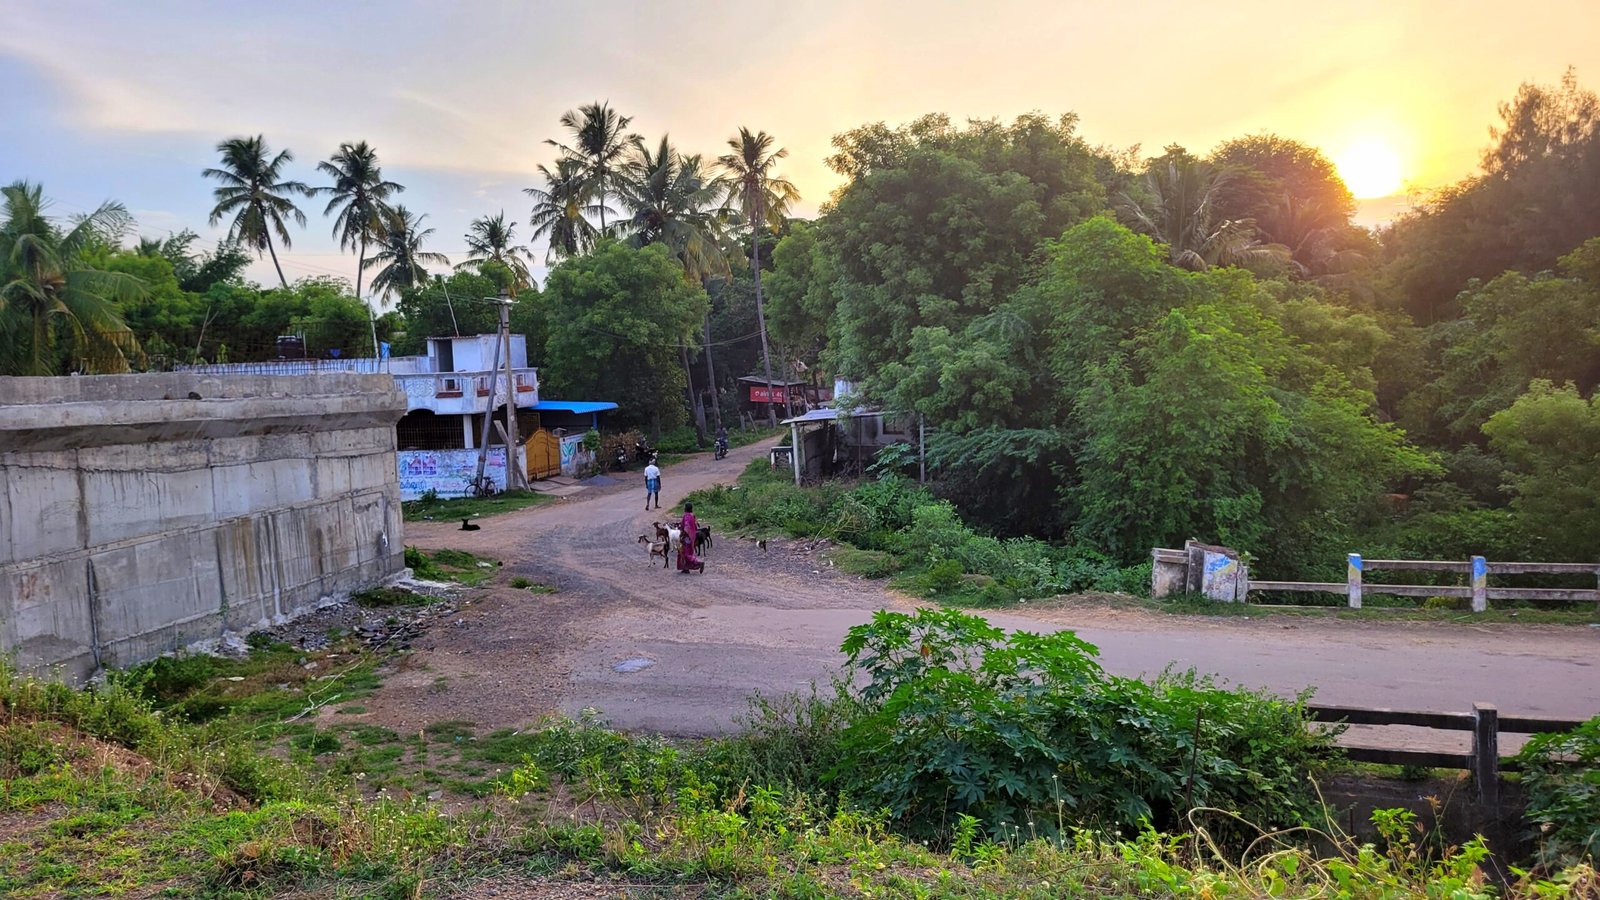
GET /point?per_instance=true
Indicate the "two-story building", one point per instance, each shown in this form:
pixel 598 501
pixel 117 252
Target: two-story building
pixel 448 392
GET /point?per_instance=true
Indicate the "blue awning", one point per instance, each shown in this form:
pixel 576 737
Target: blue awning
pixel 580 407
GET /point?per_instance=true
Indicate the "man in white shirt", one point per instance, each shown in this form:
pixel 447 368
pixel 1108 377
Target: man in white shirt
pixel 652 484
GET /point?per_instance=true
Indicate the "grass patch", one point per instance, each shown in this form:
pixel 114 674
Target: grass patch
pixel 451 565
pixel 866 563
pixel 470 507
pixel 383 597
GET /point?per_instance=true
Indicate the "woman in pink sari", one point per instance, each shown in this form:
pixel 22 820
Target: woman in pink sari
pixel 687 561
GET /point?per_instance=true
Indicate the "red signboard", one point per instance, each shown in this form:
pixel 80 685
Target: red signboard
pixel 760 394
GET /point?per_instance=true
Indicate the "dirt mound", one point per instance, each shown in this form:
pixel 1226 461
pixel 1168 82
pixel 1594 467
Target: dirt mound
pixel 90 754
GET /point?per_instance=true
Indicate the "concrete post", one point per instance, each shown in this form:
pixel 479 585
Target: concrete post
pixel 1352 577
pixel 1486 756
pixel 514 469
pixel 794 450
pixel 1480 584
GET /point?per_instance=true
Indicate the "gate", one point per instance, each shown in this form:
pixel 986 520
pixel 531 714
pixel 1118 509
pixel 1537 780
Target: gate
pixel 544 454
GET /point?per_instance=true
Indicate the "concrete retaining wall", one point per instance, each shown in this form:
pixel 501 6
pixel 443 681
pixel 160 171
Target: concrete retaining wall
pixel 145 513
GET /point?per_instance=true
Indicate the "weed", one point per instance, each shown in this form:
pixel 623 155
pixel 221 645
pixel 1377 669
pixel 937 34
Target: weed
pixel 381 597
pixel 450 565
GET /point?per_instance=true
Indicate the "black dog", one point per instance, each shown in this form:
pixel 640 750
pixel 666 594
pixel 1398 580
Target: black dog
pixel 466 525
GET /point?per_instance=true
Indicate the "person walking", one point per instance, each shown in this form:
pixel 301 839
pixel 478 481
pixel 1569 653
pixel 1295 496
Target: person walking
pixel 652 484
pixel 687 560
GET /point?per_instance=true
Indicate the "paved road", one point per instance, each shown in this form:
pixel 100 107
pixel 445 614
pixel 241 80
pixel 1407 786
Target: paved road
pixel 772 622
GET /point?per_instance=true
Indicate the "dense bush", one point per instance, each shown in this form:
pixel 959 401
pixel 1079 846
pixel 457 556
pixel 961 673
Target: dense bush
pixel 1561 773
pixel 891 524
pixel 1029 735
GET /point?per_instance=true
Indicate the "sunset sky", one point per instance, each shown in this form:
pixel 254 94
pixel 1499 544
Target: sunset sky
pixel 128 100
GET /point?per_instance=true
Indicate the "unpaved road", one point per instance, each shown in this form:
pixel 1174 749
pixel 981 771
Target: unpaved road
pixel 772 623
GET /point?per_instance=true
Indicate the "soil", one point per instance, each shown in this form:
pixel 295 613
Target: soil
pixel 770 622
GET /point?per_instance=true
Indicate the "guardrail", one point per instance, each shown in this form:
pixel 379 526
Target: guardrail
pixel 1478 590
pixel 1485 723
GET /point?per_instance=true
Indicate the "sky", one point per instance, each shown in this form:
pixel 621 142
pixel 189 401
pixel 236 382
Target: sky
pixel 127 101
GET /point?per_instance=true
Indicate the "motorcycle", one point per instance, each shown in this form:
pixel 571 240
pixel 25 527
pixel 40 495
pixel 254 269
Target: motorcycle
pixel 621 460
pixel 721 448
pixel 643 452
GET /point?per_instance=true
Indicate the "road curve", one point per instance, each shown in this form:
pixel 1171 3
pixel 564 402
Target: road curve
pixel 770 623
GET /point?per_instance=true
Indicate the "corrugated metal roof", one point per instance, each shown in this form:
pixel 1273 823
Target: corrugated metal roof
pixel 829 414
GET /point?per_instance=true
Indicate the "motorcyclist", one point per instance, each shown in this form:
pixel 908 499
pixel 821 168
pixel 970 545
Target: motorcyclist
pixel 722 442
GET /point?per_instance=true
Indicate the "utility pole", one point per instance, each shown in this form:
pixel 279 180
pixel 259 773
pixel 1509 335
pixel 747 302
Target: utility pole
pixel 513 467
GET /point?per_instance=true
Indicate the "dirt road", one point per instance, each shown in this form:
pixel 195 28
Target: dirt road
pixel 772 622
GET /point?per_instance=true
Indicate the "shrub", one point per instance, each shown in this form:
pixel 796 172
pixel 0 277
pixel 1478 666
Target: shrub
pixel 1561 774
pixel 1027 733
pixel 867 563
pixel 679 440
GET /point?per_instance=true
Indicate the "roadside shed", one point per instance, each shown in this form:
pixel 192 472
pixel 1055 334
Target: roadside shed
pixel 826 440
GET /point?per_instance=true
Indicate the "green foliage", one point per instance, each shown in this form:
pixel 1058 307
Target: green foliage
pixel 1028 735
pixel 1523 212
pixel 1561 774
pixel 1515 329
pixel 891 525
pixel 939 223
pixel 617 318
pixel 748 815
pixel 426 509
pixel 58 309
pixel 1178 404
pixel 450 565
pixel 1551 439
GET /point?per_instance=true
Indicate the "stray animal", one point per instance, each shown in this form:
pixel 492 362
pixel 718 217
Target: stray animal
pixel 657 548
pixel 466 525
pixel 661 531
pixel 702 540
pixel 761 543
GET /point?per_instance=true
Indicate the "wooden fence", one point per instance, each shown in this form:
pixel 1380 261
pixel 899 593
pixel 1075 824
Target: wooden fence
pixel 1478 590
pixel 1485 723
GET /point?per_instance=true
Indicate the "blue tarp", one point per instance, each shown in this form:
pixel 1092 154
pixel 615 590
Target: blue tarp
pixel 580 407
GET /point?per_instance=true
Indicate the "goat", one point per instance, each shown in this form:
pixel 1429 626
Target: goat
pixel 702 540
pixel 657 548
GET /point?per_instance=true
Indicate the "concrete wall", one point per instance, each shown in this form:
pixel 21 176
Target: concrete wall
pixel 448 473
pixel 144 513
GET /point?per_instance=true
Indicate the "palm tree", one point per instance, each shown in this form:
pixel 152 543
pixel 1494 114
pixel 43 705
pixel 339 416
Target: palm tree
pixel 1180 210
pixel 764 200
pixel 673 200
pixel 254 195
pixel 600 144
pixel 561 210
pixel 493 239
pixel 46 283
pixel 402 257
pixel 360 200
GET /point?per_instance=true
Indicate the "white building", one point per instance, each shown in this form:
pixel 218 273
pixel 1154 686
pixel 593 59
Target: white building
pixel 448 390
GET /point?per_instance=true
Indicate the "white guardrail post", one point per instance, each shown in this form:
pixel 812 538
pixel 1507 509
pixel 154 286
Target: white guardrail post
pixel 1480 584
pixel 1352 577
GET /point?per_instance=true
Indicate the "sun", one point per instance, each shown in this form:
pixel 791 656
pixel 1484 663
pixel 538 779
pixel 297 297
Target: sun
pixel 1370 168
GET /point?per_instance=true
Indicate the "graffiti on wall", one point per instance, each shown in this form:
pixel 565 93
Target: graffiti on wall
pixel 448 473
